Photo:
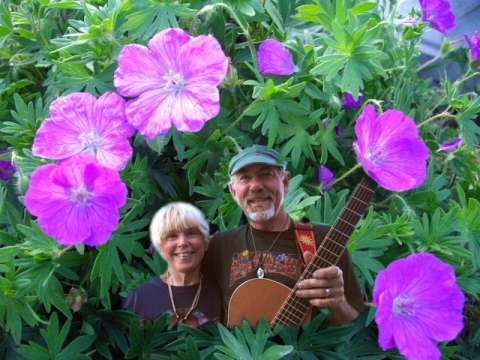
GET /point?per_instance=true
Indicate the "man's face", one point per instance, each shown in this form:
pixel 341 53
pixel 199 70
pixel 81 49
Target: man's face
pixel 259 190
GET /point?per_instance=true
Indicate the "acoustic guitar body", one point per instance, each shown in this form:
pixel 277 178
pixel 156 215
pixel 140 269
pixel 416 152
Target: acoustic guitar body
pixel 257 299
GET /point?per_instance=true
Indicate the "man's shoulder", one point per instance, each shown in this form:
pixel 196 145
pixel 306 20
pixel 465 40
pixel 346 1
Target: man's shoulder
pixel 228 234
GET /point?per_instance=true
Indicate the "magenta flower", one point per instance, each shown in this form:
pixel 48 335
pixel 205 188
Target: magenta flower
pixel 390 150
pixel 173 82
pixel 6 167
pixel 76 201
pixel 81 124
pixel 438 13
pixel 451 145
pixel 474 45
pixel 349 102
pixel 418 303
pixel 275 59
pixel 326 178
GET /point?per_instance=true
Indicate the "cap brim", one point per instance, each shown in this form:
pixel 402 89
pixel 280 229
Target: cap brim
pixel 259 159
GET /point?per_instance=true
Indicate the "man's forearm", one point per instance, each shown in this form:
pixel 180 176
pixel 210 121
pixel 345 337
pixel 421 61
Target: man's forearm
pixel 342 314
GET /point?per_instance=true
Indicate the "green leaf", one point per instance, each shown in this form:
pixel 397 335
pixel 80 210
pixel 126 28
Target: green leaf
pixel 341 12
pixel 275 352
pixel 77 346
pixel 363 7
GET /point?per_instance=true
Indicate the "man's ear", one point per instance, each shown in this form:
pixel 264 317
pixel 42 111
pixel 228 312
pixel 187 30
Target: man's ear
pixel 231 189
pixel 286 180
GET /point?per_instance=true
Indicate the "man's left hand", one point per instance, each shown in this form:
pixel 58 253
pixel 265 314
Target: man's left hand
pixel 324 289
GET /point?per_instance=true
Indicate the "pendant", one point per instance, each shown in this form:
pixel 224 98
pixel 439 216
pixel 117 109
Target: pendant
pixel 260 273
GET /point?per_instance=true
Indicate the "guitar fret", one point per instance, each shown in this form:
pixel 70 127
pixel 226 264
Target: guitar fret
pixel 326 249
pixel 370 191
pixel 354 212
pixel 346 222
pixel 289 315
pixel 360 200
pixel 333 241
pixel 293 308
pixel 340 232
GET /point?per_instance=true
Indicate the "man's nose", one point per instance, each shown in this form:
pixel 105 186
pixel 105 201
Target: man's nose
pixel 256 184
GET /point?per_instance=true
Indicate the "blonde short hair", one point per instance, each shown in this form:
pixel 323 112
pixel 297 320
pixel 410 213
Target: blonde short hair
pixel 177 216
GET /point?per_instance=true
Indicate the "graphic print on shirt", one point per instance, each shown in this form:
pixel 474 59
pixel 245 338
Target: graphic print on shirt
pixel 245 262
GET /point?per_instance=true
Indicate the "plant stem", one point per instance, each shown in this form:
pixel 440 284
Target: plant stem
pixel 353 169
pixel 429 63
pixel 237 120
pixel 247 36
pixel 63 251
pixel 444 114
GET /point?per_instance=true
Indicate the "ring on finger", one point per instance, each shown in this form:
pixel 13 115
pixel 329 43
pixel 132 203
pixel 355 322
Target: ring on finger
pixel 328 292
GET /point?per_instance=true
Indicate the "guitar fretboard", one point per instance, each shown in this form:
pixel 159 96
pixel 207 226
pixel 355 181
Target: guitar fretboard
pixel 329 252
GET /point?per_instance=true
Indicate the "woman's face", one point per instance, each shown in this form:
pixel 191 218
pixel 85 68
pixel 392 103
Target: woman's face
pixel 183 250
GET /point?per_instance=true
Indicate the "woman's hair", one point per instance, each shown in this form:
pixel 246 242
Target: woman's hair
pixel 177 216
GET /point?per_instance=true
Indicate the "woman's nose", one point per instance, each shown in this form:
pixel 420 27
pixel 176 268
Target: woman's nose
pixel 182 239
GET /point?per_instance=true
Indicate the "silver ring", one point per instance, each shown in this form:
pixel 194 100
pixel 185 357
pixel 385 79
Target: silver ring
pixel 328 292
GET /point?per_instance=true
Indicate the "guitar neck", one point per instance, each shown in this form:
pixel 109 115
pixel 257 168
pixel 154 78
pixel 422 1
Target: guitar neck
pixel 329 252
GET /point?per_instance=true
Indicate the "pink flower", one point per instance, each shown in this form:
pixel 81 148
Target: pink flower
pixel 81 124
pixel 173 82
pixel 76 201
pixel 275 59
pixel 474 45
pixel 450 145
pixel 390 150
pixel 349 102
pixel 418 303
pixel 326 178
pixel 438 13
pixel 7 168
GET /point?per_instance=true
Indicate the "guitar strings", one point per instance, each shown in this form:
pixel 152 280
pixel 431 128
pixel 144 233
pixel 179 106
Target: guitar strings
pixel 351 213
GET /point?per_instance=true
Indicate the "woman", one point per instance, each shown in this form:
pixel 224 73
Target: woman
pixel 180 233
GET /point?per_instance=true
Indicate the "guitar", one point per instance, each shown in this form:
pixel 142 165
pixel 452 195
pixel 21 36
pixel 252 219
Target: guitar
pixel 257 299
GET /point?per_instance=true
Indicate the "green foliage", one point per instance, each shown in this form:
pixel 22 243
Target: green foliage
pixel 65 302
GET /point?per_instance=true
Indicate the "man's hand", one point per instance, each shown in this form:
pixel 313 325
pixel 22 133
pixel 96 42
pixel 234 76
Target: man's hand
pixel 325 289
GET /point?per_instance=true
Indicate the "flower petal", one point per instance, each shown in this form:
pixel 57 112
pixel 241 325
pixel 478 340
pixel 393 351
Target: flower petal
pixel 203 61
pixel 150 112
pixel 109 116
pixel 275 59
pixel 166 48
pixel 138 71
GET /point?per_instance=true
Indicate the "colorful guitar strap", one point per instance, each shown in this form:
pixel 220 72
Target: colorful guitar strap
pixel 305 239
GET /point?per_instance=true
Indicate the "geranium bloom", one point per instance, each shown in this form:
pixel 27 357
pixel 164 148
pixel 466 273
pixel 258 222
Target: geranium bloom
pixel 450 145
pixel 6 168
pixel 275 59
pixel 474 45
pixel 349 102
pixel 76 201
pixel 326 178
pixel 173 81
pixel 418 303
pixel 390 150
pixel 438 13
pixel 81 124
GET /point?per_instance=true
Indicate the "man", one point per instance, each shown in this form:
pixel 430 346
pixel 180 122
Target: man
pixel 267 247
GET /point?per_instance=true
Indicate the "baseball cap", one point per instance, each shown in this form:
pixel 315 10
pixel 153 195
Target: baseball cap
pixel 255 154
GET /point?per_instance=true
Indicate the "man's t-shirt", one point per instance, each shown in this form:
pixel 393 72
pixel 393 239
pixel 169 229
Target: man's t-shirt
pixel 232 260
pixel 151 299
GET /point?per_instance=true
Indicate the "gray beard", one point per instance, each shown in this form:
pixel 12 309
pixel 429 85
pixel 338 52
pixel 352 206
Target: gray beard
pixel 261 215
